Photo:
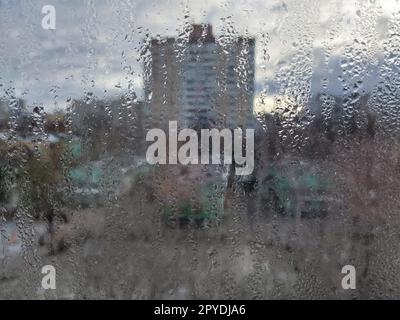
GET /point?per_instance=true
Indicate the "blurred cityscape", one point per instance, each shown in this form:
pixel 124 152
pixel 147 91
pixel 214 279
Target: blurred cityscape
pixel 75 182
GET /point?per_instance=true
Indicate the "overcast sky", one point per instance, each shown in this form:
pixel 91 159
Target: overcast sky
pixel 98 46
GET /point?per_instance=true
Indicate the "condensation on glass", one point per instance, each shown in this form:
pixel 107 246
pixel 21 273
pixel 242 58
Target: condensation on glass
pixel 317 81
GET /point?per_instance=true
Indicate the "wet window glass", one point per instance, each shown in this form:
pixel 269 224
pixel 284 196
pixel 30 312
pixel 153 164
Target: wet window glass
pixel 212 149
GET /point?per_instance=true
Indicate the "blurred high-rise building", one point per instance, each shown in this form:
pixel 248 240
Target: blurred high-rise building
pixel 201 83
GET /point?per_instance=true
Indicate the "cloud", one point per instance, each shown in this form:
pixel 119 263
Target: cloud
pixel 97 44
